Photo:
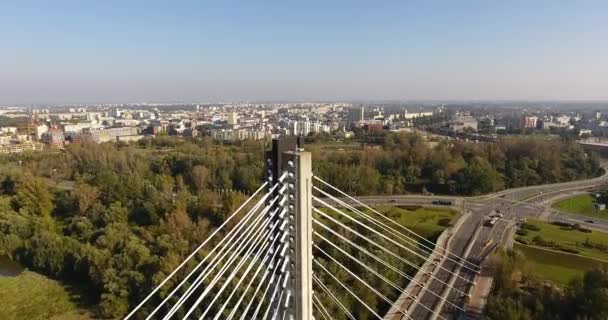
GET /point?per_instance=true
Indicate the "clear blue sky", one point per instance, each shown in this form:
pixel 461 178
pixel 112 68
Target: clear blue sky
pixel 127 51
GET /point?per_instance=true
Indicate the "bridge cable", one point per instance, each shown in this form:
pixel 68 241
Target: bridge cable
pixel 317 303
pixel 333 296
pixel 315 306
pixel 413 265
pixel 348 290
pixel 218 258
pixel 276 310
pixel 255 275
pixel 274 293
pixel 386 228
pixel 393 222
pixel 239 251
pixel 194 252
pixel 384 263
pixel 227 238
pixel 260 234
pixel 374 272
pixel 235 273
pixel 270 281
pixel 265 248
pixel 374 290
pixel 389 239
pixel 223 270
pixel 257 309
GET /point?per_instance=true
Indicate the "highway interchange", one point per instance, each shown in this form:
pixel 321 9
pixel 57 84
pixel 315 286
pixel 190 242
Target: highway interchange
pixel 474 238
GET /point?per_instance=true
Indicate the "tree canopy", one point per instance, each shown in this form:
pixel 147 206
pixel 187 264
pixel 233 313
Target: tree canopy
pixel 117 218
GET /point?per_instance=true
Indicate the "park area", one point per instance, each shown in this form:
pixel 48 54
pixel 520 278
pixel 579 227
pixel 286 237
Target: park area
pixel 32 296
pixel 427 222
pixel 560 252
pixel 579 204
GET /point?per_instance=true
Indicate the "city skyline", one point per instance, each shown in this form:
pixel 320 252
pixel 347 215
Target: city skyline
pixel 113 52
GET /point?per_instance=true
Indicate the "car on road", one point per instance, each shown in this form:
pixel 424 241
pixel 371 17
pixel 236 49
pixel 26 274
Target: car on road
pixel 491 222
pixel 392 200
pixel 589 221
pixel 442 202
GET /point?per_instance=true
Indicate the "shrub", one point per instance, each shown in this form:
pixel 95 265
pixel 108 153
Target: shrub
pixel 522 232
pixel 562 224
pixel 445 222
pixel 580 228
pixel 538 240
pixel 569 250
pixel 531 227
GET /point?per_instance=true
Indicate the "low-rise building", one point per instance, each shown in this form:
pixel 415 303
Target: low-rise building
pixel 53 137
pixel 40 129
pixel 21 147
pixel 4 130
pixel 232 135
pixel 528 122
pixel 463 123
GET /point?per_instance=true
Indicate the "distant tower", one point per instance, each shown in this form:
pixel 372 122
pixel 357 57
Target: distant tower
pixel 233 118
pixel 116 113
pixel 29 123
pixel 357 114
pixel 598 115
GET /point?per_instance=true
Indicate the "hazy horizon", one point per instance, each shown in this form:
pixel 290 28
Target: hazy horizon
pixel 114 52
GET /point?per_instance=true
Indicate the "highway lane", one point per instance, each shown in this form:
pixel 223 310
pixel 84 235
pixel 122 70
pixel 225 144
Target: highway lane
pixel 457 245
pixel 514 205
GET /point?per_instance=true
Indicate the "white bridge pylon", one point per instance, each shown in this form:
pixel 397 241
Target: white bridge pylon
pixel 299 248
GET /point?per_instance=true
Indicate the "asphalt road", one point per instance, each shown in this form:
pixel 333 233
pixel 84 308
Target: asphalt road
pixel 514 205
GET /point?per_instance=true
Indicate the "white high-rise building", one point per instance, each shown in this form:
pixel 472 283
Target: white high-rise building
pixel 233 118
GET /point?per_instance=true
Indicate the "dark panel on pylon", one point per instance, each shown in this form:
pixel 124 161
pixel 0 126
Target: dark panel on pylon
pixel 274 161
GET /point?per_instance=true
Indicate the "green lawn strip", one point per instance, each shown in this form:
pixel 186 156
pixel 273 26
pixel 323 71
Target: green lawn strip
pixel 423 221
pixel 33 296
pixel 558 267
pixel 571 239
pixel 580 204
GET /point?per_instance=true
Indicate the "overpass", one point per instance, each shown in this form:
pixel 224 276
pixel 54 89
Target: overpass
pixel 599 147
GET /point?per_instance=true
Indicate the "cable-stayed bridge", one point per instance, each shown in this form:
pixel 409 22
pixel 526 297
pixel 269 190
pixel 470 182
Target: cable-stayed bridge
pixel 300 248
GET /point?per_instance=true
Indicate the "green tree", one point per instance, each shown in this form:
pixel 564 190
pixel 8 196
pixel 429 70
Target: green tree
pixel 85 196
pixel 33 197
pixel 200 177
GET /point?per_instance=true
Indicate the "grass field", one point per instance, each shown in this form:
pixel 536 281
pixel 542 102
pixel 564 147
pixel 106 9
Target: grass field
pixel 580 204
pixel 424 221
pixel 32 296
pixel 557 267
pixel 561 267
pixel 571 239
